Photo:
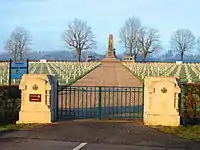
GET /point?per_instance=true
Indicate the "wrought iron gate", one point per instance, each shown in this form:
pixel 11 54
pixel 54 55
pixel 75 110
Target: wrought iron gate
pixel 100 102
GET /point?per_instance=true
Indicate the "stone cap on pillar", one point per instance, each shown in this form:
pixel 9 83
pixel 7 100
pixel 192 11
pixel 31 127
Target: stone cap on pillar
pixel 151 80
pixel 45 77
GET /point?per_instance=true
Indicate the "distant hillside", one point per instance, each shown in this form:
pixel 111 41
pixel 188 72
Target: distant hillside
pixel 64 55
pixel 71 56
pixel 54 55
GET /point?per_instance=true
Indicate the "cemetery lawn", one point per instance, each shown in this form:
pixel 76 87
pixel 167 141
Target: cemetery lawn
pixel 11 127
pixel 187 132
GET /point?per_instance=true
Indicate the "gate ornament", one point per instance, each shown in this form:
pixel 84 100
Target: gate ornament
pixel 35 87
pixel 164 90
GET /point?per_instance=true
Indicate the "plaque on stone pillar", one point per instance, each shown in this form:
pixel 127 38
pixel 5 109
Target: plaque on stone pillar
pixel 35 97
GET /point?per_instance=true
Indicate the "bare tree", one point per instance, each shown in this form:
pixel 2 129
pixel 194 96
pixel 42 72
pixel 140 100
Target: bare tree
pixel 182 40
pixel 18 43
pixel 128 35
pixel 148 41
pixel 79 36
pixel 198 43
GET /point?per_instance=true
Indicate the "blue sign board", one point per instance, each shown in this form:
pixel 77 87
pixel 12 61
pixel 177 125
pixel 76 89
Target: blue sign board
pixel 18 69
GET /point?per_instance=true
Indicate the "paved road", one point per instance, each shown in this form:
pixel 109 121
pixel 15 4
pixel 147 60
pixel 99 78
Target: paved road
pixel 35 144
pixel 109 74
pixel 98 135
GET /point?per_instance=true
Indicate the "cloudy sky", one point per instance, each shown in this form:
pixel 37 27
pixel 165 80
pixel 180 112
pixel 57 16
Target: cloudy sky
pixel 47 19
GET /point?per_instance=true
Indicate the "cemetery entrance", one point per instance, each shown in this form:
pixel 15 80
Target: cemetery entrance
pixel 100 102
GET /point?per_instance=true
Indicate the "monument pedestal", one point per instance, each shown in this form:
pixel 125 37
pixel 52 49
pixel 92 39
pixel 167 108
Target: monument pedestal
pixel 110 57
pixel 110 54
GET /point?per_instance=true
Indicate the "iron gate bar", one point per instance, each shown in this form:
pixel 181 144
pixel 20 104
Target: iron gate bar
pixel 113 103
pixel 65 102
pixel 99 103
pixel 78 102
pixel 109 100
pixel 134 99
pixel 142 100
pixel 129 103
pixel 121 104
pixel 70 99
pixel 61 103
pixel 138 102
pixel 86 101
pixel 95 100
pixel 118 102
pixel 82 103
pixel 74 101
pixel 125 102
pixel 90 101
pixel 104 101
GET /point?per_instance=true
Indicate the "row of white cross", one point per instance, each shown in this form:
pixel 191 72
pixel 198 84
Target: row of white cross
pixel 68 71
pixel 187 72
pixel 64 71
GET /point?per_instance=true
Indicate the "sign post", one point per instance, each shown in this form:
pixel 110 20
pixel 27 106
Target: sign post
pixel 17 69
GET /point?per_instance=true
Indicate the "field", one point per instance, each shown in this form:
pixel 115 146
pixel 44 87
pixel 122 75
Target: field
pixel 187 72
pixel 66 72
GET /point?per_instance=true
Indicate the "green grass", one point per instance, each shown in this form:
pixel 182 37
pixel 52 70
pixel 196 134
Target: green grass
pixel 10 127
pixel 138 77
pixel 72 81
pixel 186 132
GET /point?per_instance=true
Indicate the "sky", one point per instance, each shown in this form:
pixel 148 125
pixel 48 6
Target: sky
pixel 48 19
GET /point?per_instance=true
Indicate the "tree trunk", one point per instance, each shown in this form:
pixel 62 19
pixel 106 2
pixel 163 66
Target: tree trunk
pixel 15 53
pixel 135 56
pixel 131 52
pixel 182 56
pixel 21 56
pixel 15 56
pixel 78 54
pixel 144 55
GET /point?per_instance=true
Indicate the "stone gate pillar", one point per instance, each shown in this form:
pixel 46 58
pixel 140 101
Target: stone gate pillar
pixel 161 101
pixel 38 98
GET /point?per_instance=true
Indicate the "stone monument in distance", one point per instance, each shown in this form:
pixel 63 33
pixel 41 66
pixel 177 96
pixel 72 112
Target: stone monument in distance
pixel 111 51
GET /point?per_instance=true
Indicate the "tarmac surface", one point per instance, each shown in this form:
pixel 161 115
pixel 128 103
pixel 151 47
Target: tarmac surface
pixel 94 135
